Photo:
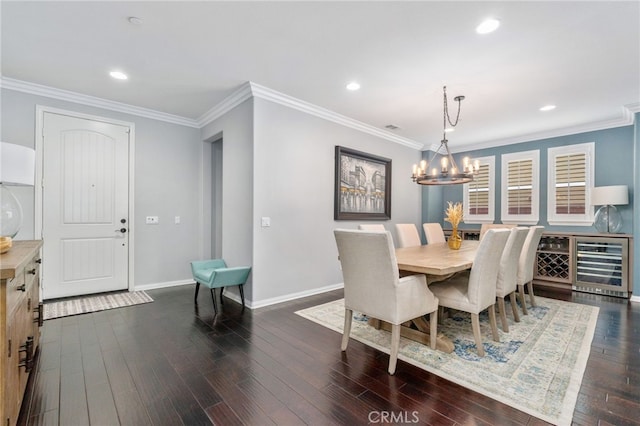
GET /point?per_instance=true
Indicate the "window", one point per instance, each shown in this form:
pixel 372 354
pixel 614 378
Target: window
pixel 479 195
pixel 570 179
pixel 520 188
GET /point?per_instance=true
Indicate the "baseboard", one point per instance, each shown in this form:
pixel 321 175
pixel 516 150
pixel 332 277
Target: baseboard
pixel 249 304
pixel 293 296
pixel 165 284
pixel 635 299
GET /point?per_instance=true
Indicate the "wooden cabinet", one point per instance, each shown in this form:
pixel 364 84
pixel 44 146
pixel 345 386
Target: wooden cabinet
pixel 20 321
pixel 593 263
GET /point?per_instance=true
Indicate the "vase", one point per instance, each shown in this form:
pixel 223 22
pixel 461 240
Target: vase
pixel 455 241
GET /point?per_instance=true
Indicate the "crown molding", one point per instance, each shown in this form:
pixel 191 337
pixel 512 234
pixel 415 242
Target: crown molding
pixel 79 98
pixel 626 118
pixel 236 98
pixel 308 108
pixel 634 107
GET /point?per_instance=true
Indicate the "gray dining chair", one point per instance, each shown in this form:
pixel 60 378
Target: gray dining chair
pixel 506 282
pixel 372 285
pixel 407 235
pixel 433 233
pixel 526 265
pixel 475 291
pixel 486 226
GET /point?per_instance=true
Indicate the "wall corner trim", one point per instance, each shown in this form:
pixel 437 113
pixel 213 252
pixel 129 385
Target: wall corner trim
pixel 241 94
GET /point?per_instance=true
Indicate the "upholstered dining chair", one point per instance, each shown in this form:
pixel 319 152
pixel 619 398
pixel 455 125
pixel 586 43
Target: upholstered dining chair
pixel 433 233
pixel 486 226
pixel 526 265
pixel 407 235
pixel 506 282
pixel 214 273
pixel 372 285
pixel 371 227
pixel 475 291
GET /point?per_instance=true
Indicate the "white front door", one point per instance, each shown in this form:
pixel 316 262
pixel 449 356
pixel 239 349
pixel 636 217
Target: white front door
pixel 85 206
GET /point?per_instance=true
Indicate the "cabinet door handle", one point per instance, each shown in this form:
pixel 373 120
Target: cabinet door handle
pixel 38 261
pixel 27 361
pixel 31 271
pixel 40 311
pixel 22 288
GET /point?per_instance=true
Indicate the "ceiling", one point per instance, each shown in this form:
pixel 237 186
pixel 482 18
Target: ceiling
pixel 186 57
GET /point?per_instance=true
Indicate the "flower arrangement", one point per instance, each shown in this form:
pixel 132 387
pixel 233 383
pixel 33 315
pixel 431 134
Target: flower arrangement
pixel 454 214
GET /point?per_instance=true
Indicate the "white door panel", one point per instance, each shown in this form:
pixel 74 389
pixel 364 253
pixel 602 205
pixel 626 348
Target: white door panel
pixel 85 200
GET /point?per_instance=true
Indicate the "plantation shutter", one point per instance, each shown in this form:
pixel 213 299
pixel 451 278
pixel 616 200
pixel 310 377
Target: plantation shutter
pixel 479 192
pixel 519 187
pixel 571 175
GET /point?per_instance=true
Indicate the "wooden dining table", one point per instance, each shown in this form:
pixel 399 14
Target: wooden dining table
pixel 437 261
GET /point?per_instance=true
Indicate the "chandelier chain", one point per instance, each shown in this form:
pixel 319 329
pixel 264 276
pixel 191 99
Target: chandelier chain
pixel 446 109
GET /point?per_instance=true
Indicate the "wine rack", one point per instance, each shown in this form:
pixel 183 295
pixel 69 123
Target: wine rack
pixel 554 259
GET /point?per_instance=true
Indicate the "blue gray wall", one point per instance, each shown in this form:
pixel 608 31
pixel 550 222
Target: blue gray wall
pixel 616 158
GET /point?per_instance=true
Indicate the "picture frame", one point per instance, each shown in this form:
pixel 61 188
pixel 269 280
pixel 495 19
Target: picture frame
pixel 362 186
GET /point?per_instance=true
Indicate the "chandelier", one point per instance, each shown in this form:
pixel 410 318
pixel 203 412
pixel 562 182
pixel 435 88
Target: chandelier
pixel 449 173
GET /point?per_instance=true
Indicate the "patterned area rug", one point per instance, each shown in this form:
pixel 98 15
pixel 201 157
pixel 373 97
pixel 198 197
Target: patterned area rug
pixel 83 305
pixel 537 368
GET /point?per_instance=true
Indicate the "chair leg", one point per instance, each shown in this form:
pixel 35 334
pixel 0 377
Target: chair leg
pixel 395 347
pixel 221 299
pixel 503 314
pixel 433 331
pixel 241 294
pixel 533 299
pixel 522 301
pixel 213 297
pixel 195 298
pixel 514 306
pixel 348 316
pixel 475 324
pixel 494 325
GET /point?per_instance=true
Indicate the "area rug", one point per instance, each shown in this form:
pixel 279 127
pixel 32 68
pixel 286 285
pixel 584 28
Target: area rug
pixel 83 305
pixel 537 367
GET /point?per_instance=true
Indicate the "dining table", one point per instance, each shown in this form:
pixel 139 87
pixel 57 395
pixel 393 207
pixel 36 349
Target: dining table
pixel 438 262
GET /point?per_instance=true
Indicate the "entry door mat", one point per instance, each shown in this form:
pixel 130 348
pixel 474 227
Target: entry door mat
pixel 537 367
pixel 101 302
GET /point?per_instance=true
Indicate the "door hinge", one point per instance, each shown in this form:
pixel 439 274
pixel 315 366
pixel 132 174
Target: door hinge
pixel 9 349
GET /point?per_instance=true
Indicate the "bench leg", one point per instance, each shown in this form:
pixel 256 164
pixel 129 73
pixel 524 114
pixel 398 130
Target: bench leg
pixel 241 294
pixel 195 298
pixel 221 299
pixel 213 297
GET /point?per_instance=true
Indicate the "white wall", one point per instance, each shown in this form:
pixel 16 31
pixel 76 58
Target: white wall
pixel 294 186
pixel 236 129
pixel 167 184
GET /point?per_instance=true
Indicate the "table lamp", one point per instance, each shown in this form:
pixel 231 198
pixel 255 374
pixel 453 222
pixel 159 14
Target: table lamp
pixel 607 218
pixel 17 167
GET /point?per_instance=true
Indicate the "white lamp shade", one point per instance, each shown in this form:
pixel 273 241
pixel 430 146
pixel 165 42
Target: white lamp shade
pixel 17 164
pixel 610 195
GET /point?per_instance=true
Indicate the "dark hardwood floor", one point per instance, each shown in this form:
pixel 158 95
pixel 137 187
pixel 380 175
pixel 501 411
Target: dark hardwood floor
pixel 170 363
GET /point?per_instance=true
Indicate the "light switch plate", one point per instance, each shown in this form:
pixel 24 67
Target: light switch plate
pixel 152 220
pixel 266 222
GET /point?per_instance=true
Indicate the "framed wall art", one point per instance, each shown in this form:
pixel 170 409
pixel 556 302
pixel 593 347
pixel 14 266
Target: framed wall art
pixel 362 186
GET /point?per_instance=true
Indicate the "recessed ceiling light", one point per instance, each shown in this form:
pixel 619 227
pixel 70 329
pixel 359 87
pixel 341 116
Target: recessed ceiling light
pixel 488 26
pixel 135 20
pixel 118 75
pixel 548 108
pixel 353 86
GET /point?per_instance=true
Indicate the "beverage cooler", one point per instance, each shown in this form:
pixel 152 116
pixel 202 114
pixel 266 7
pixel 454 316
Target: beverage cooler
pixel 602 265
